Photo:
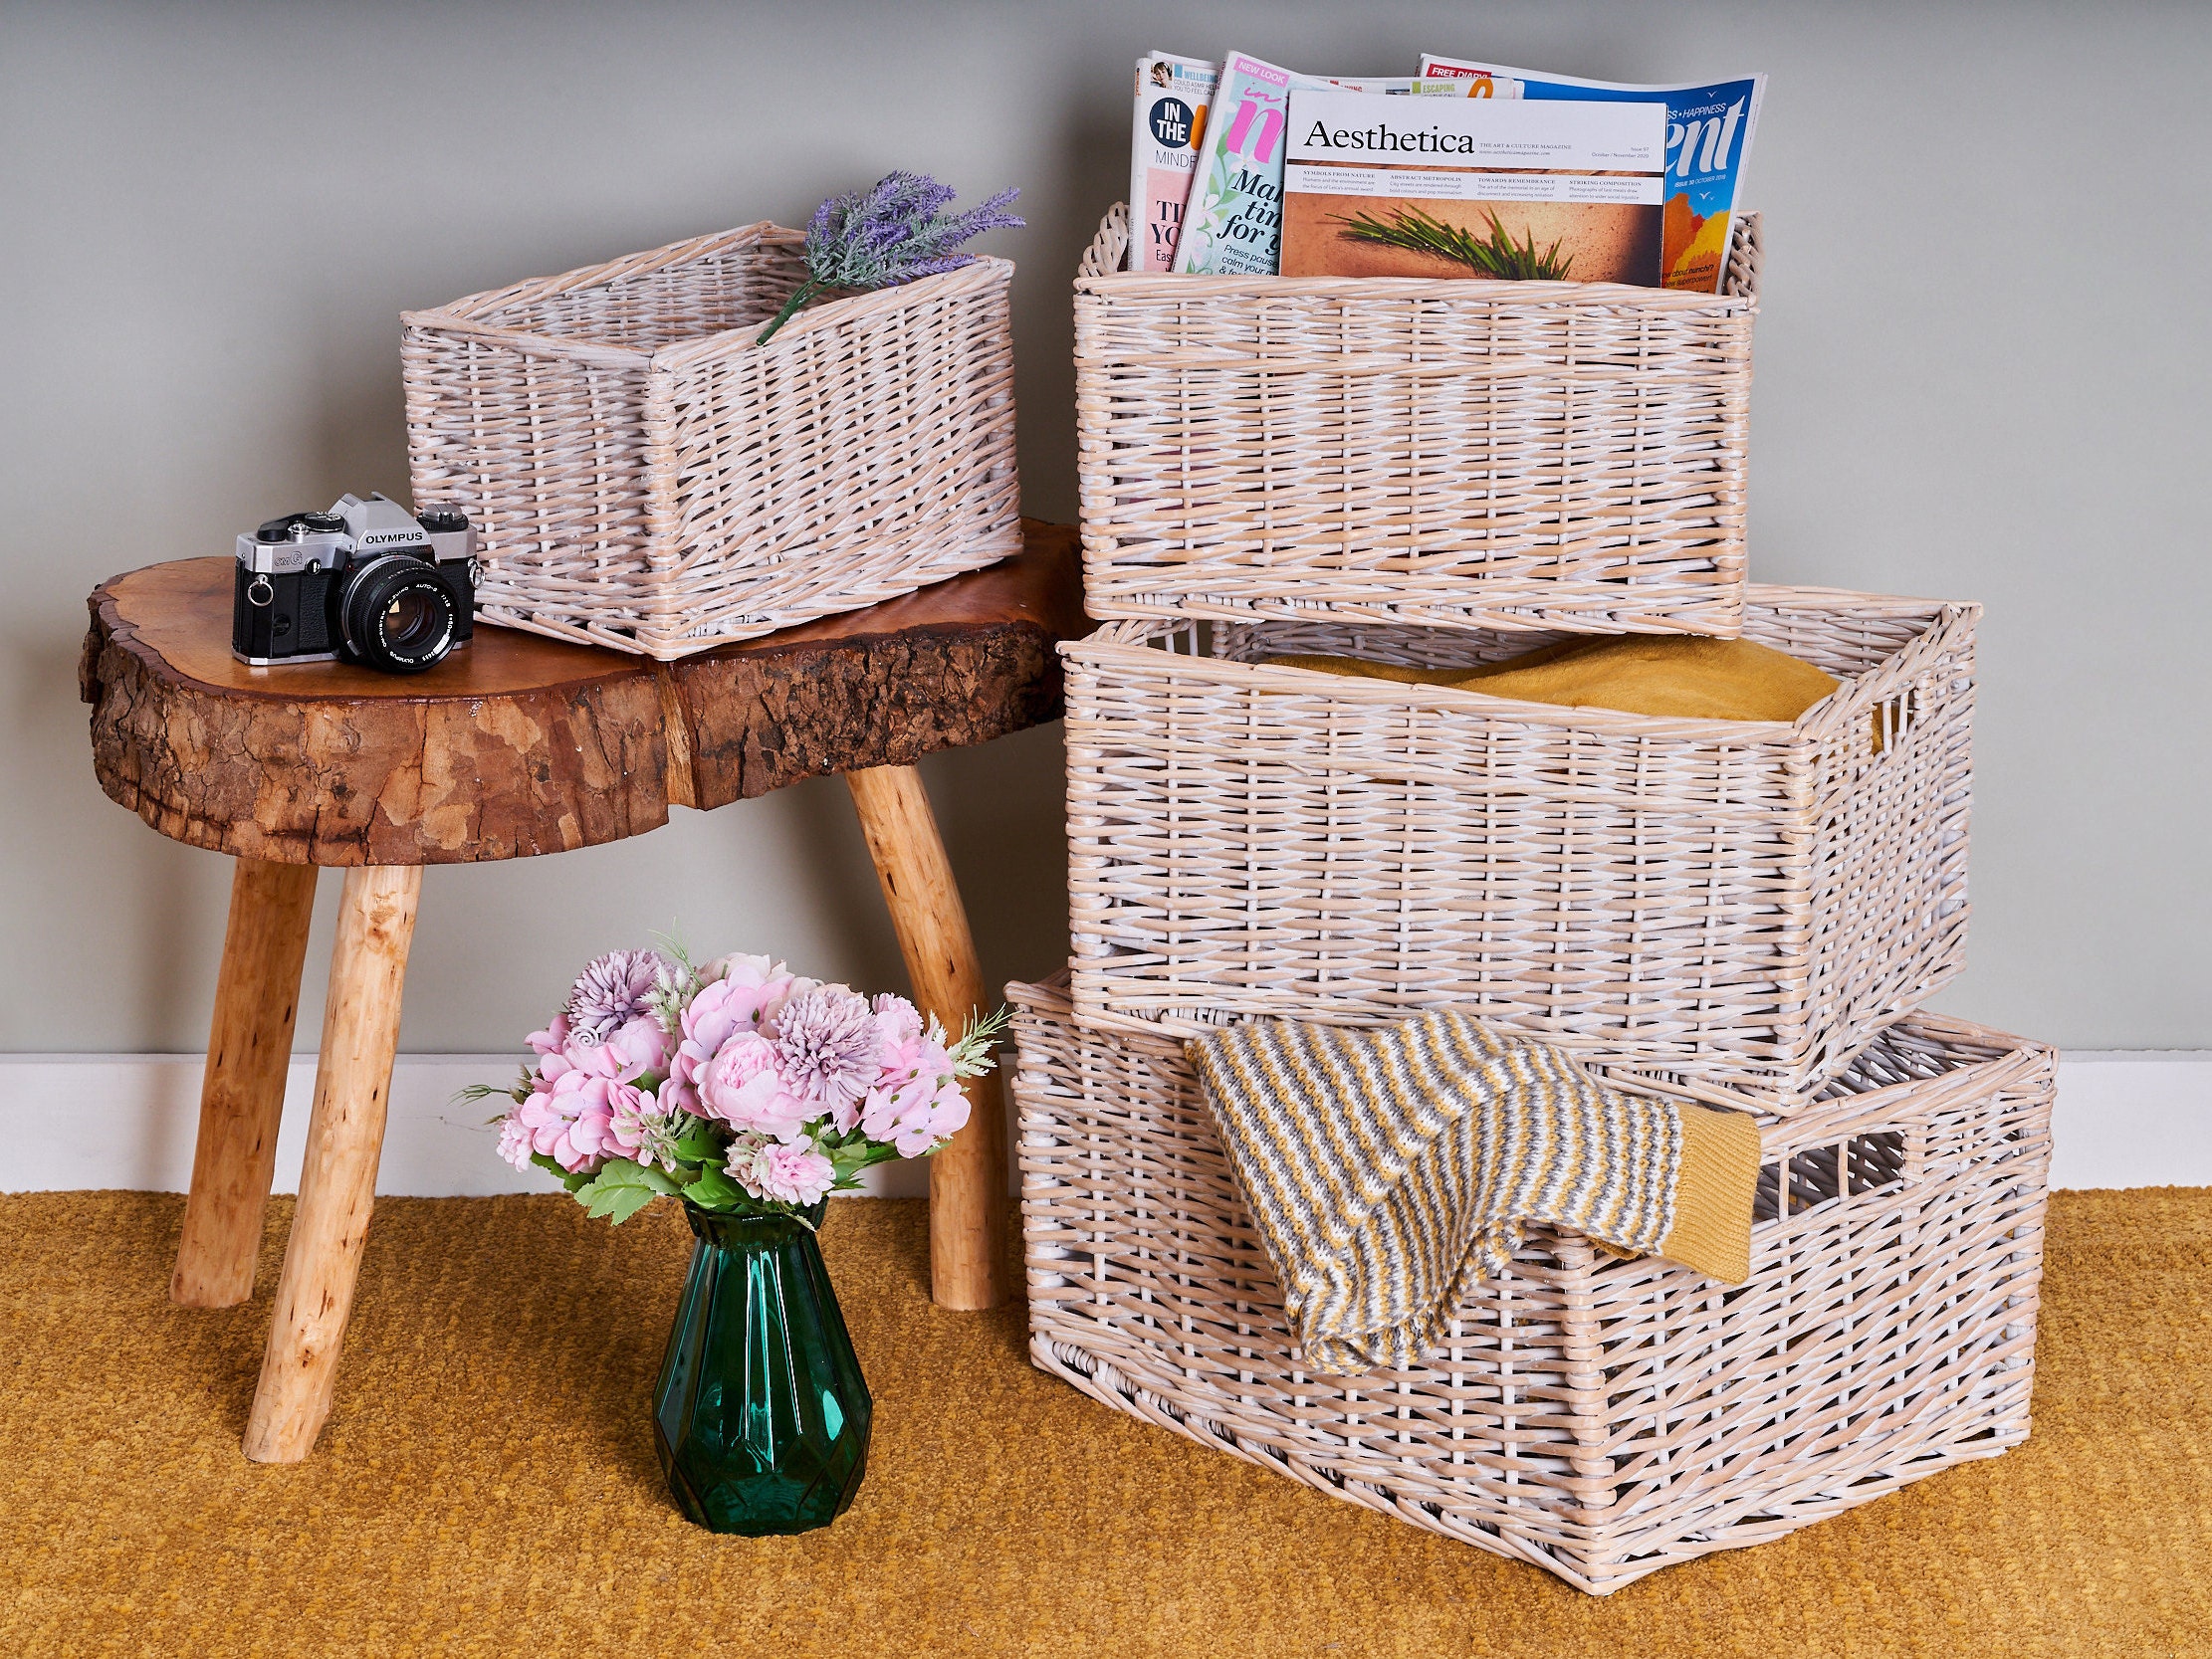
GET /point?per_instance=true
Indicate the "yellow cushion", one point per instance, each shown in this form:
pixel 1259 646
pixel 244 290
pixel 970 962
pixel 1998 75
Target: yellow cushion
pixel 1641 673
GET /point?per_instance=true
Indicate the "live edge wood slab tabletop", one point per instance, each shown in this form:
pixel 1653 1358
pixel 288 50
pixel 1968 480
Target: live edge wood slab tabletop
pixel 518 745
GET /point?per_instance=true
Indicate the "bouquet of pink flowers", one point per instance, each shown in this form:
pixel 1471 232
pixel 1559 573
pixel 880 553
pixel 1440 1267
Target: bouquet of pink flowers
pixel 736 1085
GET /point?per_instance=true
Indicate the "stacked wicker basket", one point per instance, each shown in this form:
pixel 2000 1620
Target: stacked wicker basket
pixel 1747 913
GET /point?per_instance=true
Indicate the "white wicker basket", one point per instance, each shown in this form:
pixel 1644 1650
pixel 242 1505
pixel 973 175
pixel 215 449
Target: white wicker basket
pixel 1725 909
pixel 643 476
pixel 1600 1418
pixel 1452 453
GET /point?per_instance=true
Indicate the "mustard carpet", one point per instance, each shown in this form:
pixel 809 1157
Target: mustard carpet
pixel 488 1486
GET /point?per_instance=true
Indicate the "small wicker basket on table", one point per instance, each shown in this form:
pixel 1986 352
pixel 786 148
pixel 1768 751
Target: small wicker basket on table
pixel 644 476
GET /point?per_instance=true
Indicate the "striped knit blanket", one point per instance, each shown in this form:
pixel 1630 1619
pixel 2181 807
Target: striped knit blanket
pixel 1389 1171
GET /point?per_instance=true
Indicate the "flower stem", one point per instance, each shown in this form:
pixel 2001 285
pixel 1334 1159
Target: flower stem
pixel 799 295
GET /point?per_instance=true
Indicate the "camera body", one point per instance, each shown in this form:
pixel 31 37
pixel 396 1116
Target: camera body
pixel 366 582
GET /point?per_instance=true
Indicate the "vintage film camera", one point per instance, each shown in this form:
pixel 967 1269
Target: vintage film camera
pixel 367 581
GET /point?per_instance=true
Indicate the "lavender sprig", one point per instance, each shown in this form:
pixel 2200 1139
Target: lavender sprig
pixel 897 232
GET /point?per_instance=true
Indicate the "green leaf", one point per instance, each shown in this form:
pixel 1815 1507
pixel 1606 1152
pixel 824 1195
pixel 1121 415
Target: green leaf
pixel 573 1179
pixel 622 1188
pixel 698 1145
pixel 1416 231
pixel 849 1161
pixel 974 1053
pixel 713 1189
pixel 619 1204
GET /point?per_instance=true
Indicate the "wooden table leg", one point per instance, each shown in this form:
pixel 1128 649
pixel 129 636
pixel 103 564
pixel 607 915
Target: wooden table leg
pixel 337 1185
pixel 967 1179
pixel 248 1051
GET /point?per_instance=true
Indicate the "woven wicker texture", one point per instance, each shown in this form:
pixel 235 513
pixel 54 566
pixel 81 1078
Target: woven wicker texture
pixel 645 477
pixel 1724 909
pixel 1600 1418
pixel 1456 453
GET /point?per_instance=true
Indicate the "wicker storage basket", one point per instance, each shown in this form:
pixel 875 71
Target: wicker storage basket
pixel 1600 1418
pixel 645 477
pixel 1450 453
pixel 1725 909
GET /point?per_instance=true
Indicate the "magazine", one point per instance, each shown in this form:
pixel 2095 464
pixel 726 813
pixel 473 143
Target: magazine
pixel 1233 220
pixel 1492 186
pixel 1171 98
pixel 1232 225
pixel 1709 142
pixel 1395 85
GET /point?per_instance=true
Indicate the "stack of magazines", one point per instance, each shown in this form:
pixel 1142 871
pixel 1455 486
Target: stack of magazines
pixel 1465 168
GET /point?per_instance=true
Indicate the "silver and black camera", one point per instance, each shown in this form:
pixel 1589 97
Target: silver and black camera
pixel 367 581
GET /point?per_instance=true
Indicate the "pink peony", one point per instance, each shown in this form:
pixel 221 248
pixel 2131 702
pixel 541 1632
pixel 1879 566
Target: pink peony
pixel 569 1115
pixel 757 983
pixel 637 1047
pixel 899 1022
pixel 554 1038
pixel 782 1173
pixel 743 1087
pixel 749 989
pixel 918 1100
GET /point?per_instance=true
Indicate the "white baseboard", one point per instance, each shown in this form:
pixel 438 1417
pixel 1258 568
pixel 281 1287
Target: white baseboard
pixel 2132 1119
pixel 127 1121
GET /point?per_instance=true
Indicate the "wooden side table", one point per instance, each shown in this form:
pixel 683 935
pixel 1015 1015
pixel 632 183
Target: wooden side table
pixel 514 747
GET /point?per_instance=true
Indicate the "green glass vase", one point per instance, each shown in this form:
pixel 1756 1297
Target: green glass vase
pixel 761 1415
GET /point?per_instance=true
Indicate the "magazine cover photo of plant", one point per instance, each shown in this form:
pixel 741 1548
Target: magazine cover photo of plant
pixel 1484 188
pixel 1386 236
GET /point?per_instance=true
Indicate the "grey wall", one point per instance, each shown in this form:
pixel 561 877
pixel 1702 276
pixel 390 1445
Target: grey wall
pixel 1982 362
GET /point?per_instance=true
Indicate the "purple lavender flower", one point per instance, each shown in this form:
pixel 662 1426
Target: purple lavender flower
pixel 828 1046
pixel 611 992
pixel 897 232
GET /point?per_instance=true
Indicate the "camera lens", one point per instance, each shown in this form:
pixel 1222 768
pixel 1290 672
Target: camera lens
pixel 411 623
pixel 399 616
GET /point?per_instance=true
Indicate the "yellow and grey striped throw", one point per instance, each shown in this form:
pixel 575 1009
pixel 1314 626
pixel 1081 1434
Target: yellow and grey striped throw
pixel 1389 1171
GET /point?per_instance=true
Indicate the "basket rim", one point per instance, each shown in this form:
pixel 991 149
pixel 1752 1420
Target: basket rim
pixel 476 316
pixel 1121 641
pixel 687 250
pixel 1053 998
pixel 984 270
pixel 1149 285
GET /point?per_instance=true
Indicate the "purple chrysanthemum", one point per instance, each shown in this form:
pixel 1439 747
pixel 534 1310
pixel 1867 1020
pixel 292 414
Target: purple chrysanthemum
pixel 898 231
pixel 611 992
pixel 828 1046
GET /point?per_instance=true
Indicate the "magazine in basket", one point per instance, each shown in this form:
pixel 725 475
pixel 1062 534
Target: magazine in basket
pixel 1709 128
pixel 1173 94
pixel 1231 222
pixel 1472 187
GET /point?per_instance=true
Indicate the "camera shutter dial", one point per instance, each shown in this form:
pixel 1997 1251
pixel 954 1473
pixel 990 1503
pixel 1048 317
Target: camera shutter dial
pixel 293 524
